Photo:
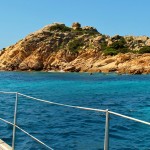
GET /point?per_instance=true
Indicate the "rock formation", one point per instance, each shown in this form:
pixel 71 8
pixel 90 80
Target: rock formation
pixel 57 47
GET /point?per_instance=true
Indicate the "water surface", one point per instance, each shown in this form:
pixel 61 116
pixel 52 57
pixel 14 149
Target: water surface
pixel 71 129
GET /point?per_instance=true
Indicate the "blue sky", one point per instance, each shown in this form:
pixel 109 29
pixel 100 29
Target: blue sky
pixel 18 18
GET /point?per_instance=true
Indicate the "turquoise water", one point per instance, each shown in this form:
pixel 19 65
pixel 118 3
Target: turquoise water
pixel 71 129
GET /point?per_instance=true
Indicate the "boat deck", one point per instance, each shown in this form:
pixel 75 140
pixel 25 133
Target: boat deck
pixel 4 146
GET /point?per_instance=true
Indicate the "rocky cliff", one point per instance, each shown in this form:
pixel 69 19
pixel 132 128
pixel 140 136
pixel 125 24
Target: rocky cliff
pixel 57 47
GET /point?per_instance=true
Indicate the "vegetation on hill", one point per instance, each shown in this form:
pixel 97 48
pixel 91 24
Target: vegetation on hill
pixel 60 27
pixel 145 49
pixel 75 45
pixel 116 47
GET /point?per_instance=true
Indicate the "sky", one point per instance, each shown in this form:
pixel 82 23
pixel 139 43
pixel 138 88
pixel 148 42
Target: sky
pixel 18 18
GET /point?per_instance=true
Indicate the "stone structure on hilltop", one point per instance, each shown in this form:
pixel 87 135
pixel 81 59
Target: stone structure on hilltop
pixel 76 25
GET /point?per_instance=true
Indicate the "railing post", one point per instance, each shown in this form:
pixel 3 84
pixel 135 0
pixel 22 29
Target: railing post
pixel 106 140
pixel 15 121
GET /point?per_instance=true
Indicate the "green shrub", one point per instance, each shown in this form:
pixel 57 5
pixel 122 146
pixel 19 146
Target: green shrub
pixel 118 44
pixel 60 27
pixel 80 31
pixel 110 51
pixel 75 45
pixel 103 46
pixel 145 49
pixel 117 47
pixel 77 31
pixel 124 50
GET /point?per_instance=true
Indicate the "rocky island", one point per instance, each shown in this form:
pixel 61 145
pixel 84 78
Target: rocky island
pixel 57 47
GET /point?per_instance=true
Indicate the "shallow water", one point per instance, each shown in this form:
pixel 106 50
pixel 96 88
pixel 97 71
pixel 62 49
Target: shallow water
pixel 72 129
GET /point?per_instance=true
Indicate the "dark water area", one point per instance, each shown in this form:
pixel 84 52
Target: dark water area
pixel 65 128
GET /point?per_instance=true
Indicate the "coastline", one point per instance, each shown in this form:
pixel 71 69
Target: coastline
pixel 120 64
pixel 90 73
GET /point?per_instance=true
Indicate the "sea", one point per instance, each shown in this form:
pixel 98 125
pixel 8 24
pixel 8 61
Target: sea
pixel 64 128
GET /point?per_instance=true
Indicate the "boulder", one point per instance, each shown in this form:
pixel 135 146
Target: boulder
pixel 116 37
pixel 76 25
pixel 148 42
pixel 140 38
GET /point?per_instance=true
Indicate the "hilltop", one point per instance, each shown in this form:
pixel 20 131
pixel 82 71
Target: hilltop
pixel 57 47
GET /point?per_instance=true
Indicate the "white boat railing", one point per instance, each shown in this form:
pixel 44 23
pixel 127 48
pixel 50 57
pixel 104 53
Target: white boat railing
pixel 107 112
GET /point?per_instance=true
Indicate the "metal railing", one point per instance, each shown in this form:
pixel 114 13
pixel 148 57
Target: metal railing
pixel 107 112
